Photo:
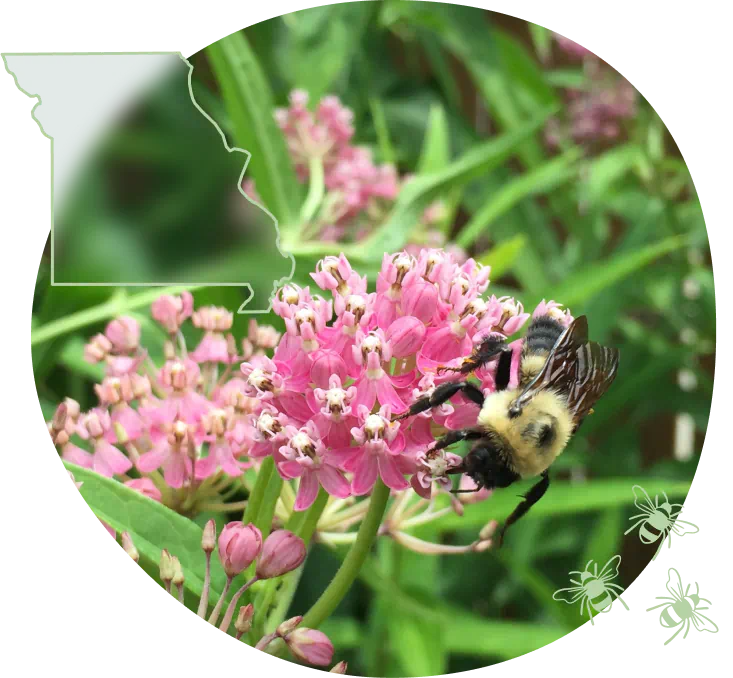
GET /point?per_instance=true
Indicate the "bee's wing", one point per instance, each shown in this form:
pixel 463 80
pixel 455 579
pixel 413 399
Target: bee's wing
pixel 610 569
pixel 682 527
pixel 702 623
pixel 642 500
pixel 674 584
pixel 578 369
pixel 569 595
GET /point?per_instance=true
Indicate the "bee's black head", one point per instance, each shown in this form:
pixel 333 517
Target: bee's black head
pixel 487 464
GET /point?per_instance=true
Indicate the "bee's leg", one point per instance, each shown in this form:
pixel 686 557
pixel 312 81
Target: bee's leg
pixel 442 394
pixel 530 499
pixel 486 351
pixel 453 437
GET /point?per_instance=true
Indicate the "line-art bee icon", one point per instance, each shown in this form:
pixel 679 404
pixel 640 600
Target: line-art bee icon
pixel 594 589
pixel 658 520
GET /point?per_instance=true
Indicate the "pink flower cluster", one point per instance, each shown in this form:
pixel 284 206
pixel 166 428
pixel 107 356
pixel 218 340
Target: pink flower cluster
pixel 321 404
pixel 358 191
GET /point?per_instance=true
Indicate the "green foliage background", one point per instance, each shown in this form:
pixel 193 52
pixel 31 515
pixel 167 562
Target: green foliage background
pixel 617 234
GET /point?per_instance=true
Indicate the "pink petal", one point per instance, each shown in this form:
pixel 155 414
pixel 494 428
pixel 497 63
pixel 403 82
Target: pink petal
pixel 77 456
pixel 390 473
pixel 366 393
pixel 334 482
pixel 206 466
pixel 388 396
pixel 290 469
pixel 108 460
pixel 307 491
pixel 153 460
pixel 174 470
pixel 365 470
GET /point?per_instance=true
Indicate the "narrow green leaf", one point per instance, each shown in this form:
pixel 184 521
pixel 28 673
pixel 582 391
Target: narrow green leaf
pixel 606 536
pixel 502 257
pixel 435 153
pixel 563 498
pixel 542 40
pixel 250 106
pixel 386 149
pixel 543 179
pixel 422 190
pixel 583 284
pixel 607 169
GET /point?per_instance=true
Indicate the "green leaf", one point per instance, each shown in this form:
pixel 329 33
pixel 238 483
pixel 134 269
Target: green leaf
pixel 606 537
pixel 567 78
pixel 542 39
pixel 607 169
pixel 386 149
pixel 563 498
pixel 422 190
pixel 543 179
pixel 583 284
pixel 250 106
pixel 435 153
pixel 72 357
pixel 502 257
pixel 151 525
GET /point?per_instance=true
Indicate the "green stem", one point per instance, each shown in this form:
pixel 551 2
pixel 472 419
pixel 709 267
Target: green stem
pixel 258 492
pixel 263 520
pixel 117 304
pixel 353 562
pixel 316 190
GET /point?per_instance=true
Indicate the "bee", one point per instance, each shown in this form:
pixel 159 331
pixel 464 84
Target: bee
pixel 658 520
pixel 594 590
pixel 521 431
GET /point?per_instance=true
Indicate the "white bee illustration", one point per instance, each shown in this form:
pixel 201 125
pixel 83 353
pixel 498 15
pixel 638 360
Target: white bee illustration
pixel 657 521
pixel 594 589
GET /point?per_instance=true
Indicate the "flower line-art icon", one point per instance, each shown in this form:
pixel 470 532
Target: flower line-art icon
pixel 657 522
pixel 683 608
pixel 593 589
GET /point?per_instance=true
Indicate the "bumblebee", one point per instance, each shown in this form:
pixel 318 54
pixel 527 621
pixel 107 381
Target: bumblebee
pixel 521 431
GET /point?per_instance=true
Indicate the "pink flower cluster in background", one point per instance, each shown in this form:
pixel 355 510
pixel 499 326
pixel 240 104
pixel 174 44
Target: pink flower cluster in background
pixel 359 192
pixel 319 399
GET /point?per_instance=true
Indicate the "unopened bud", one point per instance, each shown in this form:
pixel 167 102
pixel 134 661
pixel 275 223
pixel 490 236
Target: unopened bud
pixel 310 645
pixel 208 539
pixel 129 546
pixel 243 622
pixel 288 626
pixel 339 668
pixel 166 567
pixel 178 576
pixel 239 545
pixel 282 552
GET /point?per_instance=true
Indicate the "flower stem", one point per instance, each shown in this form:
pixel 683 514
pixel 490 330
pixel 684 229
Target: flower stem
pixel 316 190
pixel 220 603
pixel 204 602
pixel 355 558
pixel 233 604
pixel 117 304
pixel 258 492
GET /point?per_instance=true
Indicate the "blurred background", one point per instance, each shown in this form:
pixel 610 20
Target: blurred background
pixel 472 131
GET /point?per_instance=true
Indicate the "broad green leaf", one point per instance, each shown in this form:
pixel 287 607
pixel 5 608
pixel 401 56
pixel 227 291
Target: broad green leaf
pixel 151 525
pixel 502 257
pixel 422 190
pixel 250 106
pixel 583 284
pixel 563 498
pixel 543 179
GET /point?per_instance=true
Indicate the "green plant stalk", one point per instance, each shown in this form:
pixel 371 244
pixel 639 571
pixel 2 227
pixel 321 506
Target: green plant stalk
pixel 263 520
pixel 258 491
pixel 117 304
pixel 316 191
pixel 354 560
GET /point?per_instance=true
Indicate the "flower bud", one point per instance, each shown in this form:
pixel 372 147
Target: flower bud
pixel 282 552
pixel 243 622
pixel 239 545
pixel 124 333
pixel 129 547
pixel 288 626
pixel 311 646
pixel 208 539
pixel 166 567
pixel 178 576
pixel 406 335
pixel 97 349
pixel 339 668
